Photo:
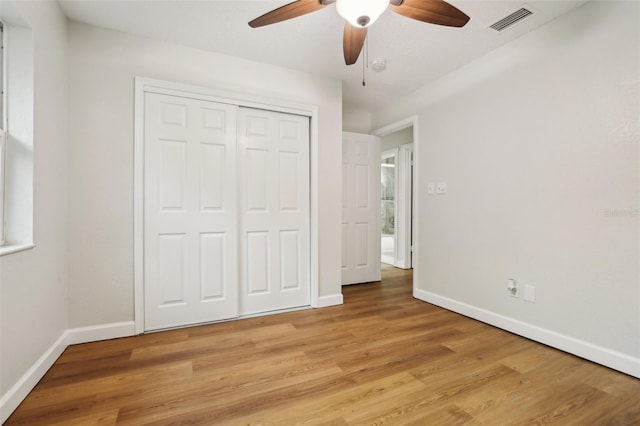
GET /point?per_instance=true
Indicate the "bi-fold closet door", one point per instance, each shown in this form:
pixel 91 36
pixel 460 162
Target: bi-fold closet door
pixel 226 211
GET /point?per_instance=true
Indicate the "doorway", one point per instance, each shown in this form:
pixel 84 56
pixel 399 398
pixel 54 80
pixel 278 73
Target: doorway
pixel 412 124
pixel 396 179
pixel 388 190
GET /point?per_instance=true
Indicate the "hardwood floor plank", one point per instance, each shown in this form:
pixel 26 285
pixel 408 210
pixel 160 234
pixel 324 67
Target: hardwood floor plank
pixel 213 393
pixel 104 418
pixel 382 358
pixel 344 403
pixel 103 394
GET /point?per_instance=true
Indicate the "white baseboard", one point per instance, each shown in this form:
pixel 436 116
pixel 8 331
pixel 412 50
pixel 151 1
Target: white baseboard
pixel 100 332
pixel 330 300
pixel 607 357
pixel 19 391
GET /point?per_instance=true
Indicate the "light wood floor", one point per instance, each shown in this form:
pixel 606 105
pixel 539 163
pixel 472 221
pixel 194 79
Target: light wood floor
pixel 381 358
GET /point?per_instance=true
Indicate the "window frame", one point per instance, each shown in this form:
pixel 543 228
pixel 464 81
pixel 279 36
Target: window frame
pixel 17 210
pixel 3 124
pixel 3 145
pixel 3 75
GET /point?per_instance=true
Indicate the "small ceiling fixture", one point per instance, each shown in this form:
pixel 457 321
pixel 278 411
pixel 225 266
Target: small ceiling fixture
pixel 379 64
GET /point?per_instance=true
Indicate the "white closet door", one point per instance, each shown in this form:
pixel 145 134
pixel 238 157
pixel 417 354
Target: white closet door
pixel 274 210
pixel 360 208
pixel 190 216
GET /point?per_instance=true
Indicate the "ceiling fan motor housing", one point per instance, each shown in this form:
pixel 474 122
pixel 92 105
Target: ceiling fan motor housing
pixel 363 21
pixel 361 13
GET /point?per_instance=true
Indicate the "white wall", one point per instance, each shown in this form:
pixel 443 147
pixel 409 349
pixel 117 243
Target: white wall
pixel 33 283
pixel 355 119
pixel 538 142
pixel 397 139
pixel 102 67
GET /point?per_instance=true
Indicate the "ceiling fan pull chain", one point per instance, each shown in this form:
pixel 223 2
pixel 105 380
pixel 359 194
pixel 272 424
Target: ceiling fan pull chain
pixel 363 83
pixel 365 58
pixel 366 49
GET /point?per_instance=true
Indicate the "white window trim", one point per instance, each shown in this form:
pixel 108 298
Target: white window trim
pixel 4 74
pixel 3 130
pixel 7 246
pixel 3 149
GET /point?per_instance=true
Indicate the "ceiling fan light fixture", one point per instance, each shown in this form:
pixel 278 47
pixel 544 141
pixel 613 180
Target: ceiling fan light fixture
pixel 361 13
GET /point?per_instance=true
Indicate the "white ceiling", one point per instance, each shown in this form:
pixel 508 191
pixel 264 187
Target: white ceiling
pixel 416 53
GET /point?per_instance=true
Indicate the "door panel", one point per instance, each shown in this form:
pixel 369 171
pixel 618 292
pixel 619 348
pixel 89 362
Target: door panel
pixel 171 174
pixel 212 176
pixel 273 151
pixel 360 208
pixel 212 267
pixel 190 214
pixel 290 260
pixel 171 267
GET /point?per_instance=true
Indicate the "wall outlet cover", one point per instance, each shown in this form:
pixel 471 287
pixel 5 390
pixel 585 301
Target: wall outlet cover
pixel 441 188
pixel 529 293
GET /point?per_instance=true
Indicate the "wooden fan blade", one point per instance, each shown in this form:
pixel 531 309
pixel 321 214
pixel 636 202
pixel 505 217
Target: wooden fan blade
pixel 431 11
pixel 352 42
pixel 288 11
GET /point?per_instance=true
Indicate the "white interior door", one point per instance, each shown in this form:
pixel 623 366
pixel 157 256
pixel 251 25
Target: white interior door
pixel 274 210
pixel 360 208
pixel 190 211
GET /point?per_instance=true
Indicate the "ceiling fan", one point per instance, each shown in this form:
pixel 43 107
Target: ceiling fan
pixel 360 14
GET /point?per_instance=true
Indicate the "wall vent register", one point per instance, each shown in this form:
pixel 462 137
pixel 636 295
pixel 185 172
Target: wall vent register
pixel 512 19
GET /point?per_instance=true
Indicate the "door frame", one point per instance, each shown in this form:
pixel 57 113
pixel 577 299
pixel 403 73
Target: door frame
pixel 144 85
pixel 386 130
pixel 404 208
pixel 395 153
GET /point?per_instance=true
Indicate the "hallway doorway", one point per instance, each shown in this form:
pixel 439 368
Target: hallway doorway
pixel 396 201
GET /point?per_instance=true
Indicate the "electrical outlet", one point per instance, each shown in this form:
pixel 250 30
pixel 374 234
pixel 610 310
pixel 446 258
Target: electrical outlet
pixel 529 293
pixel 441 188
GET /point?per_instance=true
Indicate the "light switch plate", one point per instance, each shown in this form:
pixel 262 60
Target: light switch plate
pixel 441 188
pixel 431 188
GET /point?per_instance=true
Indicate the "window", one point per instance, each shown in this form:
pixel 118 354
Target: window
pixel 3 143
pixel 3 126
pixel 16 132
pixel 3 121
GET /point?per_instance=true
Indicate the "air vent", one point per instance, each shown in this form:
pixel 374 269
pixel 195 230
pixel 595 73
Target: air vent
pixel 508 21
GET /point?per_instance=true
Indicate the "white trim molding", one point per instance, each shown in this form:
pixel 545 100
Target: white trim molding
pixel 14 396
pixel 330 300
pixel 19 391
pixel 100 332
pixel 598 354
pixel 404 205
pixel 9 249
